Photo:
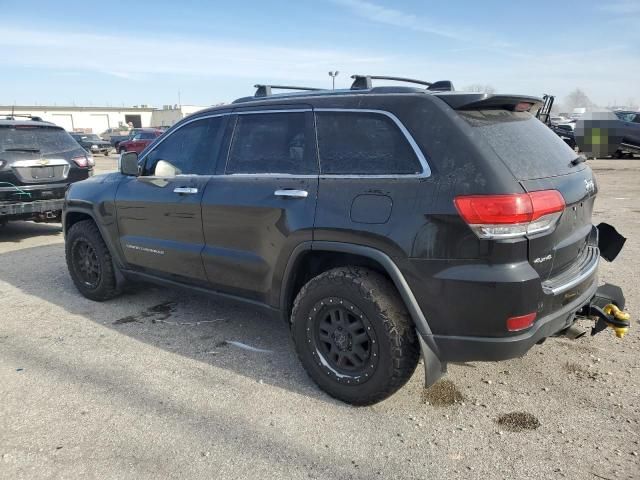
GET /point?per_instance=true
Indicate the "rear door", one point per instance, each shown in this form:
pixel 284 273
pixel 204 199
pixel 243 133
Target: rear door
pixel 261 205
pixel 372 178
pixel 540 160
pixel 159 213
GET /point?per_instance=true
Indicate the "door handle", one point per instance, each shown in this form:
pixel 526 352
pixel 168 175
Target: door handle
pixel 185 190
pixel 291 193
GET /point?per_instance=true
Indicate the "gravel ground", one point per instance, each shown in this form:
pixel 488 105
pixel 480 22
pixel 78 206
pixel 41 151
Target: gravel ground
pixel 149 386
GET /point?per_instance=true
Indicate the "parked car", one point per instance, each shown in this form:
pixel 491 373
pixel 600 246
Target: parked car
pixel 139 141
pixel 92 143
pixel 38 161
pixel 379 223
pixel 630 126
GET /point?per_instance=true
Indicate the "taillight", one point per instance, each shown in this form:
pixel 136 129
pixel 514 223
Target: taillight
pixel 84 161
pixel 514 215
pixel 515 324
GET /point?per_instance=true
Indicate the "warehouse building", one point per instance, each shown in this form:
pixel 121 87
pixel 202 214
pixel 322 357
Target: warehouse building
pixel 100 119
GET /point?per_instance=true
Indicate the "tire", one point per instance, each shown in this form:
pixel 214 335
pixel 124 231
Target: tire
pixel 89 262
pixel 354 335
pixel 106 153
pixel 122 150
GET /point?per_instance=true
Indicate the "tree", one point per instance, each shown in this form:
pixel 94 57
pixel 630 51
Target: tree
pixel 477 87
pixel 577 99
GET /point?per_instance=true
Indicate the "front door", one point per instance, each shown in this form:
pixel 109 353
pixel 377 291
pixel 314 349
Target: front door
pixel 261 205
pixel 159 212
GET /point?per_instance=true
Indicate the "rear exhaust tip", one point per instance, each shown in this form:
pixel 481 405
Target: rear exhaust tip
pixel 574 332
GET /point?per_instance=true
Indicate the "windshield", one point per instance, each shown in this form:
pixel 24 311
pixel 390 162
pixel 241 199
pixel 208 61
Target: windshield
pixel 44 140
pixel 92 137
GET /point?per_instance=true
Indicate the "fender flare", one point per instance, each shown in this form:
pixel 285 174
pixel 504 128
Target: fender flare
pixel 434 368
pixel 118 265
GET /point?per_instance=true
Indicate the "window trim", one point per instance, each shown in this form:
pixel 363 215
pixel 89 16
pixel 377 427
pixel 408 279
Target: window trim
pixel 269 174
pixel 426 170
pixel 143 159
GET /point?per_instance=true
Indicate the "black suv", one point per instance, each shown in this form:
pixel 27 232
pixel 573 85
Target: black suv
pixel 92 143
pixel 379 222
pixel 38 161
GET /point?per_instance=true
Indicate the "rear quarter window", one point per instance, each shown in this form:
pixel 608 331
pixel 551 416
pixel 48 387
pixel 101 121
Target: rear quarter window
pixel 528 147
pixel 363 143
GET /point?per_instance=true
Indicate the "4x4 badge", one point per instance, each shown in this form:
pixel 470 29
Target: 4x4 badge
pixel 590 186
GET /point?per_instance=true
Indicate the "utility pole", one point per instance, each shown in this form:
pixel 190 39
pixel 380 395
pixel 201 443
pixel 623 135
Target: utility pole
pixel 333 76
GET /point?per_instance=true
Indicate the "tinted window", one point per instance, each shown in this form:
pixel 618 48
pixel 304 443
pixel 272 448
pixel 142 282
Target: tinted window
pixel 271 143
pixel 527 146
pixel 41 139
pixel 145 136
pixel 363 144
pixel 191 149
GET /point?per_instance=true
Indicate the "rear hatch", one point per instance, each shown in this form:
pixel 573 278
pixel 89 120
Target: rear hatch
pixel 540 160
pixel 33 158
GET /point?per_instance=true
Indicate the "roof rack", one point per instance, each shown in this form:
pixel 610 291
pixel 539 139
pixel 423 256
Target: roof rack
pixel 363 82
pixel 265 90
pixel 12 116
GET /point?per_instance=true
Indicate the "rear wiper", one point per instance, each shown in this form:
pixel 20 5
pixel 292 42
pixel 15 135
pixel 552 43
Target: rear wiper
pixel 34 150
pixel 578 160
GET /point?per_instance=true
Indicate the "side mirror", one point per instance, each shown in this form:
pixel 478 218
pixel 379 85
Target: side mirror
pixel 129 164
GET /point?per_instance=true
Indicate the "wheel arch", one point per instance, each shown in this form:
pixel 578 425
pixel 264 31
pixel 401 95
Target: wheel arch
pixel 296 271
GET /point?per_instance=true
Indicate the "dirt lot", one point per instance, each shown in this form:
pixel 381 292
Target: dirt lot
pixel 146 386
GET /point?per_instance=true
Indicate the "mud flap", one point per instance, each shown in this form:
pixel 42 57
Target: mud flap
pixel 610 242
pixel 434 369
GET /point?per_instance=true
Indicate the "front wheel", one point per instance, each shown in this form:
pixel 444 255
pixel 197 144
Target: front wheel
pixel 89 262
pixel 354 336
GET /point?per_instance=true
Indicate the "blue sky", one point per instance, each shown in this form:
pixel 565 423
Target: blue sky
pixel 139 52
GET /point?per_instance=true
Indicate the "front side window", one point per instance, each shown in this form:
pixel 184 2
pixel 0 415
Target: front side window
pixel 271 143
pixel 363 143
pixel 190 150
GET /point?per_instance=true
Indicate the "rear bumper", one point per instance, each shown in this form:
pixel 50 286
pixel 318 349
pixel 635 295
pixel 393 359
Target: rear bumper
pixel 465 349
pixel 30 208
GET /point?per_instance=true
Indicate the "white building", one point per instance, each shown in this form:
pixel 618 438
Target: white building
pixel 100 119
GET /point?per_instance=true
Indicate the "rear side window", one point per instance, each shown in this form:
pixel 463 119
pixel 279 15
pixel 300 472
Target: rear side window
pixel 527 146
pixel 271 143
pixel 45 140
pixel 363 143
pixel 190 150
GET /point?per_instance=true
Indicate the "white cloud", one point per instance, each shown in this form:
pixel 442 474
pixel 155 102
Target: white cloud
pixel 217 64
pixel 134 58
pixel 397 18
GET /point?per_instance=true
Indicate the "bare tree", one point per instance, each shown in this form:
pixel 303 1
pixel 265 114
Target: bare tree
pixel 477 87
pixel 577 99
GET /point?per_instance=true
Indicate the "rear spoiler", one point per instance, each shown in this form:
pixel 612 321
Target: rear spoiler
pixel 485 101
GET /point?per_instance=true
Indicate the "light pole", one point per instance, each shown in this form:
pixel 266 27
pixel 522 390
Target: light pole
pixel 333 76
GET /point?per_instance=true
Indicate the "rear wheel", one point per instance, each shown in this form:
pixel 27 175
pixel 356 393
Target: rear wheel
pixel 89 262
pixel 354 336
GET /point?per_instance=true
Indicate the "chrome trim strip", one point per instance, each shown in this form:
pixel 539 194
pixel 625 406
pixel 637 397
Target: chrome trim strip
pixel 426 170
pixel 575 280
pixel 50 162
pixel 253 112
pixel 163 137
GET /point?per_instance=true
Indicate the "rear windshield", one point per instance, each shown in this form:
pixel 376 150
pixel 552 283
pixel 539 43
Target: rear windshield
pixel 37 139
pixel 526 145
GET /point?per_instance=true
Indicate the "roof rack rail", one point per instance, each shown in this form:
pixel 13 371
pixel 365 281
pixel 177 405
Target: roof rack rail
pixel 265 90
pixel 11 116
pixel 363 82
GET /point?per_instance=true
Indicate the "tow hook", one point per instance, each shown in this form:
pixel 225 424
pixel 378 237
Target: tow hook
pixel 610 316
